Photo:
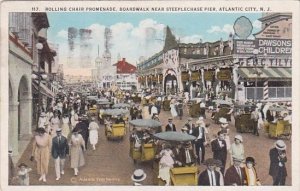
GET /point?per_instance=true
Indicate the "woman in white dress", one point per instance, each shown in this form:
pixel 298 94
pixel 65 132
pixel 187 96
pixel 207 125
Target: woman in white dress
pixel 77 147
pixel 93 127
pixel 65 126
pixel 74 119
pixel 165 164
pixel 173 108
pixel 55 124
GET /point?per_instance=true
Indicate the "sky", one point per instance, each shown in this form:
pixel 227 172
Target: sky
pixel 136 35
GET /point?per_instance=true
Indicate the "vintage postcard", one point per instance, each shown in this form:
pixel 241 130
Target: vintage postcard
pixel 158 94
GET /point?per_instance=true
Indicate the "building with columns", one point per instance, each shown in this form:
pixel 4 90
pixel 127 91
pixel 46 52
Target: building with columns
pixel 25 31
pixel 244 69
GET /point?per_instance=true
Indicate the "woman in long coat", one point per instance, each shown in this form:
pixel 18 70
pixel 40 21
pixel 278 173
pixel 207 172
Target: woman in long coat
pixel 41 152
pixel 77 147
pixel 93 130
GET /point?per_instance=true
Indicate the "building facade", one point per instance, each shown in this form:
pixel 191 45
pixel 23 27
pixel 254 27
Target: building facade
pixel 244 69
pixel 25 31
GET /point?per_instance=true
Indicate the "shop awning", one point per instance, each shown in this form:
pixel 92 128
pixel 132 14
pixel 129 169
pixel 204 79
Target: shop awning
pixel 271 73
pixel 44 89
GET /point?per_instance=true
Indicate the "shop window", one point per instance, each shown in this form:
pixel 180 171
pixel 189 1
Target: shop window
pixel 288 92
pixel 272 92
pixel 280 92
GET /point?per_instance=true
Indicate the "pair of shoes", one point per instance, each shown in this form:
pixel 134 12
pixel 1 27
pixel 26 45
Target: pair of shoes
pixel 57 178
pixel 62 172
pixel 41 178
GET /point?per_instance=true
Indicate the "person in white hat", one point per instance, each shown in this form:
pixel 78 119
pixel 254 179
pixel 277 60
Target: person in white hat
pixel 277 165
pixel 138 177
pixel 224 127
pixel 237 148
pixel 59 151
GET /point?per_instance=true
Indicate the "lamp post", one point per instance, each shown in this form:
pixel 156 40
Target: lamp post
pixel 39 47
pixel 255 62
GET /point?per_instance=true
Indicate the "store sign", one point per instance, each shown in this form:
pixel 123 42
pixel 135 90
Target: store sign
pixel 195 76
pixel 274 46
pixel 244 46
pixel 224 75
pixel 209 75
pixel 185 76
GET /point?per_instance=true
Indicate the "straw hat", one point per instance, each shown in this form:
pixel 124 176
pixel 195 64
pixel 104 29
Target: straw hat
pixel 223 120
pixel 280 145
pixel 184 128
pixel 138 175
pixel 58 130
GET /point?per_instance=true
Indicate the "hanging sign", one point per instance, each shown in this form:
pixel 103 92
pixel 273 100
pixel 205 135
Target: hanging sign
pixel 195 76
pixel 208 75
pixel 224 75
pixel 185 76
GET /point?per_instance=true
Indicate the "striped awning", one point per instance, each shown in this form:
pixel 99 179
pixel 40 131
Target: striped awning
pixel 271 73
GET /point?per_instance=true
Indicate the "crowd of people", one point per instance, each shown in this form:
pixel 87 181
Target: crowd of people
pixel 65 128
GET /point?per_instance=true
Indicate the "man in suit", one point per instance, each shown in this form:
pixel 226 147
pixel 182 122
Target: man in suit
pixel 189 125
pixel 210 177
pixel 219 149
pixel 187 155
pixel 199 133
pixel 277 165
pixel 59 151
pixel 235 175
pixel 170 126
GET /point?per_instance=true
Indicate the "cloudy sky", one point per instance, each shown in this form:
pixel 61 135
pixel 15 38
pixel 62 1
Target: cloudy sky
pixel 136 35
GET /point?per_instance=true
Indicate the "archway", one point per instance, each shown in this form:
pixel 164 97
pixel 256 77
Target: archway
pixel 24 108
pixel 170 84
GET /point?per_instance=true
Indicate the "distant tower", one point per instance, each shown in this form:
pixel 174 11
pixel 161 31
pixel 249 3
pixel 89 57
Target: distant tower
pixel 98 62
pixel 119 57
pixel 107 46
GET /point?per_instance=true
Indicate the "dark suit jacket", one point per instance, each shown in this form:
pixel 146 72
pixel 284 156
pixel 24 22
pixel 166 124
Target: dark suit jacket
pixel 196 133
pixel 59 150
pixel 232 176
pixel 182 156
pixel 203 179
pixel 169 128
pixel 218 152
pixel 274 165
pixel 83 130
